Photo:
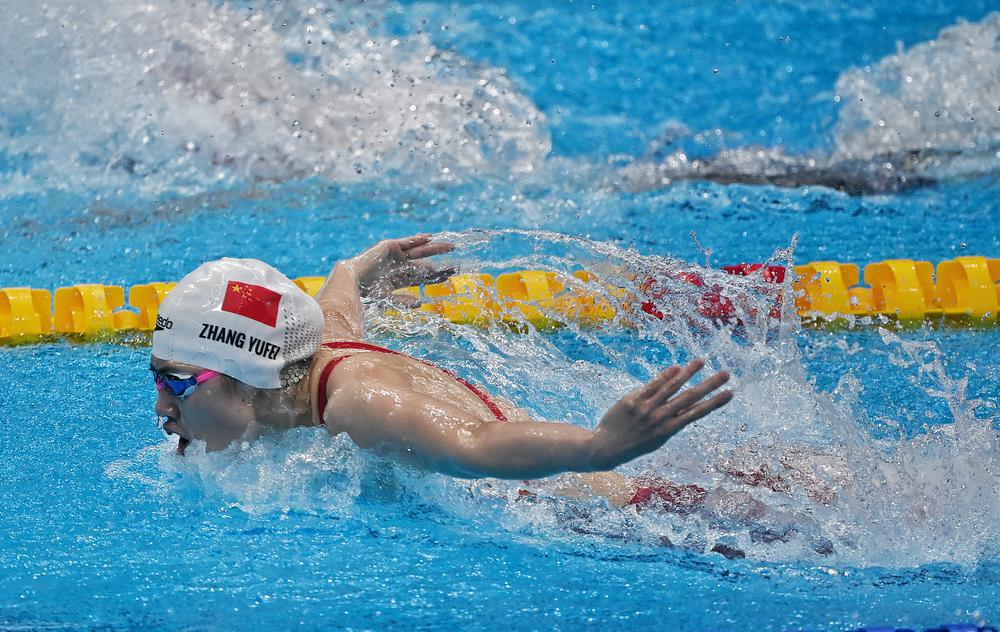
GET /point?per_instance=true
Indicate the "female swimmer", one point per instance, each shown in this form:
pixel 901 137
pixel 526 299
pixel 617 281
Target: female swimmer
pixel 238 346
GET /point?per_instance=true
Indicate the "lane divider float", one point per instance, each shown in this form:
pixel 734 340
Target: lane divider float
pixel 963 291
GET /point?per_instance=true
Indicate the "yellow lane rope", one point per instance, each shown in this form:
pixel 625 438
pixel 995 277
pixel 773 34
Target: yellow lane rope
pixel 964 291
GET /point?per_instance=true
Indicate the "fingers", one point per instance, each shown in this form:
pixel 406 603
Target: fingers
pixel 674 384
pixel 429 274
pixel 695 394
pixel 428 249
pixel 416 274
pixel 694 413
pixel 420 246
pixel 416 240
pixel 652 386
pixel 633 426
pixel 404 301
pixel 670 413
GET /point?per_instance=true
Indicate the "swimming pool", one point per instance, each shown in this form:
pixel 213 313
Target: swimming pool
pixel 126 160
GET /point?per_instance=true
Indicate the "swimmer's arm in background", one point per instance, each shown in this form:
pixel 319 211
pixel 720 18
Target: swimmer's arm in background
pixel 380 269
pixel 380 413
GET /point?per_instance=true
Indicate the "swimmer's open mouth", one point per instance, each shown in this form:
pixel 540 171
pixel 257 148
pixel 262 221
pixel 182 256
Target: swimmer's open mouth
pixel 170 427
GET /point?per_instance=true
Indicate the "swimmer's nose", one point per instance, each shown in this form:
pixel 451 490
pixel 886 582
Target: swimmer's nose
pixel 166 405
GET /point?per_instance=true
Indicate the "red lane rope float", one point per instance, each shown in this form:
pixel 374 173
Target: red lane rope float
pixel 964 291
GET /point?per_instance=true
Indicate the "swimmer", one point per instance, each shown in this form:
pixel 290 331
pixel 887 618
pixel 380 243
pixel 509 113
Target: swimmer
pixel 238 347
pixel 886 173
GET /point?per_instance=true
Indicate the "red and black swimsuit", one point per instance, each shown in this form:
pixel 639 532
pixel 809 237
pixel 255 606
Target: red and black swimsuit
pixel 321 397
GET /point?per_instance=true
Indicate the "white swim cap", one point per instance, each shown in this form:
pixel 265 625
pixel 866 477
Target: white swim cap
pixel 240 317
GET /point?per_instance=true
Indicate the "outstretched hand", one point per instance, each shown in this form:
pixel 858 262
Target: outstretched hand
pixel 646 418
pixel 390 264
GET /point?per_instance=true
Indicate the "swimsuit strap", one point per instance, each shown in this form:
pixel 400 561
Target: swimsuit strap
pixel 364 346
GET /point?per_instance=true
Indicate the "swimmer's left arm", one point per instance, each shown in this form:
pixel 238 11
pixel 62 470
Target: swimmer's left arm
pixel 381 413
pixel 637 424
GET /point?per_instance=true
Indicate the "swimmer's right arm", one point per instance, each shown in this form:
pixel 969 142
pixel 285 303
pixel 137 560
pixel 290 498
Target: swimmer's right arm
pixel 340 296
pixel 384 415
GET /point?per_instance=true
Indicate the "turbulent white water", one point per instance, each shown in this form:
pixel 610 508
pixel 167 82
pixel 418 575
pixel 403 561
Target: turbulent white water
pixel 790 472
pixel 924 114
pixel 941 96
pixel 178 96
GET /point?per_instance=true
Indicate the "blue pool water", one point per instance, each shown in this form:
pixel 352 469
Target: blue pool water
pixel 139 141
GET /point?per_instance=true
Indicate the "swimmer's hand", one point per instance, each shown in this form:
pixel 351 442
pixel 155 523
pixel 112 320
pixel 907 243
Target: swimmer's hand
pixel 375 273
pixel 391 264
pixel 646 418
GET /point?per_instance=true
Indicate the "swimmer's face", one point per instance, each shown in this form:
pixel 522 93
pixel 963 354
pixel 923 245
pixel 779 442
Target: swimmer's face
pixel 218 411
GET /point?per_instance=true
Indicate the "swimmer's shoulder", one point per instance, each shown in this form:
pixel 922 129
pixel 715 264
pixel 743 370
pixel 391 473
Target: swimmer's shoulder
pixel 338 372
pixel 357 354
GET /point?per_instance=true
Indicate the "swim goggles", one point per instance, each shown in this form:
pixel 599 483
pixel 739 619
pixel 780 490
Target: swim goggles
pixel 181 385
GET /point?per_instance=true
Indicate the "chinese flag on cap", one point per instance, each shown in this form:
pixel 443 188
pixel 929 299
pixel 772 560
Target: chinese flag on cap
pixel 252 301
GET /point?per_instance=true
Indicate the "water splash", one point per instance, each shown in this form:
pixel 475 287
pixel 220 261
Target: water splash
pixel 916 117
pixel 938 96
pixel 790 471
pixel 786 471
pixel 166 98
pixel 179 97
pixel 937 488
pixel 302 469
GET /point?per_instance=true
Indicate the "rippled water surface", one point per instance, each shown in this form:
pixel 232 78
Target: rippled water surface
pixel 137 141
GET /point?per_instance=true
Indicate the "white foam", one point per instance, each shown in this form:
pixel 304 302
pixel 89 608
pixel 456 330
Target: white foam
pixel 837 493
pixel 302 469
pixel 184 95
pixel 923 114
pixel 939 95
